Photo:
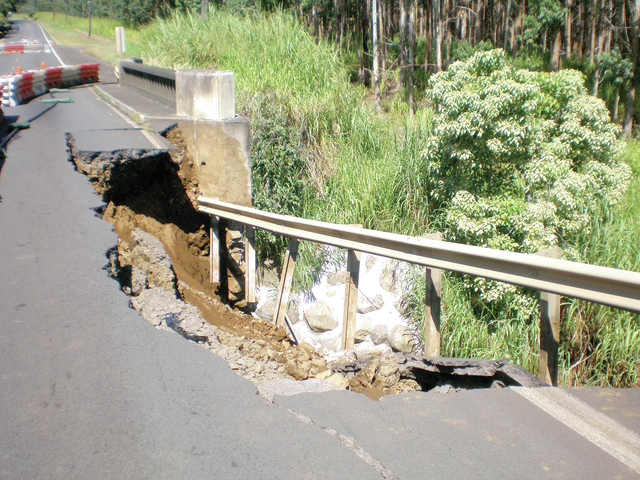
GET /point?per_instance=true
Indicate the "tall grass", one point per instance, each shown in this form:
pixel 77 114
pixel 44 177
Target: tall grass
pixel 319 150
pixel 600 345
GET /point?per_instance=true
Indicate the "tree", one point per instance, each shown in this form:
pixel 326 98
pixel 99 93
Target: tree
pixel 517 161
pixel 634 26
pixel 616 70
pixel 7 6
pixel 518 158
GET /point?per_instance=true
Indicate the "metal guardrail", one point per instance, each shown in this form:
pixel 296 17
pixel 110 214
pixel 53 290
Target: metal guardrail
pixel 551 276
pixel 608 286
pixel 156 83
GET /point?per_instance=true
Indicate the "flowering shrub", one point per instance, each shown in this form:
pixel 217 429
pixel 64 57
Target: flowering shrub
pixel 518 160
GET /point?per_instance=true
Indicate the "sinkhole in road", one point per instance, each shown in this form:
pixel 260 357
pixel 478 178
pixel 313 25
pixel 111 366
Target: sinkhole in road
pixel 162 262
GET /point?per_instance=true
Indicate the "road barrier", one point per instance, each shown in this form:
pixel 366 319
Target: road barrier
pixel 22 86
pixel 22 48
pixel 156 83
pixel 544 272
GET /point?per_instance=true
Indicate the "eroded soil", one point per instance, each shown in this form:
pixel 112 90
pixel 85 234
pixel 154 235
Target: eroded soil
pixel 157 195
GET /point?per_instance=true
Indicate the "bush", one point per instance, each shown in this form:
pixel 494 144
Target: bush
pixel 519 160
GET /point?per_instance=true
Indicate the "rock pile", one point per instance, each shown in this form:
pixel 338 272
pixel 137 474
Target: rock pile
pixel 380 325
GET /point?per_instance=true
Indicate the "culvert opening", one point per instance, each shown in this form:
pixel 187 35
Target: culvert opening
pixel 162 262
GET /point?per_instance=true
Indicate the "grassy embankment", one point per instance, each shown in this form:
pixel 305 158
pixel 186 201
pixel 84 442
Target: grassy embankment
pixel 320 151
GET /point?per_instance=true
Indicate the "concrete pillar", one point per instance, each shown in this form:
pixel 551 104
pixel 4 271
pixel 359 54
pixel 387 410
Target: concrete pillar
pixel 221 155
pixel 205 94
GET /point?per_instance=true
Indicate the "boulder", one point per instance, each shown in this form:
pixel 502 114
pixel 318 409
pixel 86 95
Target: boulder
pixel 337 278
pixel 294 312
pixel 367 305
pixel 267 310
pixel 368 349
pixel 379 334
pixel 363 326
pixel 330 344
pixel 320 318
pixel 388 277
pixel 371 261
pixel 401 339
pixel 339 380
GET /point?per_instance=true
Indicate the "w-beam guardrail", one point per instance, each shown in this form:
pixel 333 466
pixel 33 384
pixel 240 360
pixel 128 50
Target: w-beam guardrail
pixel 551 276
pixel 156 83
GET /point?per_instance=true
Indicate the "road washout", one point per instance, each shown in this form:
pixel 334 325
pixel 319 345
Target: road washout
pixel 161 261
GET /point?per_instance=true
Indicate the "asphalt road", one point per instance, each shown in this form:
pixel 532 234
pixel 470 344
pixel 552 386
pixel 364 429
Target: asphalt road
pixel 88 389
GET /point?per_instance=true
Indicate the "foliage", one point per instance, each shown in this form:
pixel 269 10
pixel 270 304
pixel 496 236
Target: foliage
pixel 600 345
pixel 7 6
pixel 519 159
pixel 544 17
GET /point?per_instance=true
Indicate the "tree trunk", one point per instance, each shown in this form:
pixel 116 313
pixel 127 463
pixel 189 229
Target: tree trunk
pixel 314 16
pixel 403 42
pixel 365 72
pixel 633 24
pixel 374 41
pixel 592 36
pixel 413 11
pixel 567 30
pixel 204 9
pixel 599 44
pixel 614 108
pixel 506 24
pixel 555 50
pixel 438 14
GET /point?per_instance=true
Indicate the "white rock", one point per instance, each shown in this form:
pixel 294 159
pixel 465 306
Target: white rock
pixel 369 304
pixel 363 327
pixel 367 349
pixel 337 278
pixel 267 310
pixel 388 278
pixel 330 344
pixel 379 334
pixel 401 339
pixel 320 318
pixel 339 380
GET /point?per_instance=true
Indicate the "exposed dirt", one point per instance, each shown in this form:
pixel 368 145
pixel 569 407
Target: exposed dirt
pixel 157 194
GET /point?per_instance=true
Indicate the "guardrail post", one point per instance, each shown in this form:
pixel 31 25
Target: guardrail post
pixel 549 329
pixel 286 280
pixel 214 249
pixel 350 300
pixel 250 263
pixel 433 299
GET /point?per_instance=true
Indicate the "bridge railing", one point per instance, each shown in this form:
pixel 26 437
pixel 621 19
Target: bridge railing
pixel 543 272
pixel 156 83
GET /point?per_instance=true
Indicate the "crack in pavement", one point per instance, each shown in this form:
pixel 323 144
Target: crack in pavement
pixel 347 442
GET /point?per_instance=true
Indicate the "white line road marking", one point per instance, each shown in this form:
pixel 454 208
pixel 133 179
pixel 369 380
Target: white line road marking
pixel 604 432
pixel 51 45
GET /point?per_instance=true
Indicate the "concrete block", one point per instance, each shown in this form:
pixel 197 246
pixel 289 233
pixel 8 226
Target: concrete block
pixel 205 94
pixel 222 158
